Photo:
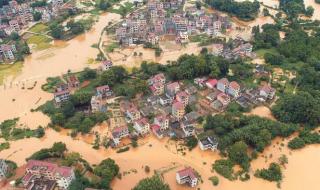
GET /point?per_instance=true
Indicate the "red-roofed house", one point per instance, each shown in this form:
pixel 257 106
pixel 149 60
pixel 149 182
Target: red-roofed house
pixel 156 129
pixel 142 126
pixel 162 121
pixel 118 133
pixel 178 110
pixel 157 78
pixel 172 88
pixel 183 97
pixel 234 89
pixel 61 96
pixel 106 65
pixel 188 176
pixel 211 83
pixel 157 88
pixel 37 169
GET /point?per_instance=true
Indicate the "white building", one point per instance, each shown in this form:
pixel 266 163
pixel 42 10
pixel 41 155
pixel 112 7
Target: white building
pixel 208 143
pixel 187 176
pixel 142 126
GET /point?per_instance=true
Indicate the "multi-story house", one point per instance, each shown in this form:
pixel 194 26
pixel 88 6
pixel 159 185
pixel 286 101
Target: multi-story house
pixel 208 143
pixel 153 38
pixel 183 97
pixel 103 91
pixel 14 24
pixel 157 88
pixel 3 168
pixel 234 89
pixel 35 169
pixel 267 91
pixel 165 100
pixel 97 105
pixel 162 121
pixel 118 133
pixel 172 89
pixel 178 110
pixel 8 51
pixel 106 65
pixel 133 113
pixel 187 176
pixel 61 96
pixel 158 78
pixel 223 84
pixel 142 126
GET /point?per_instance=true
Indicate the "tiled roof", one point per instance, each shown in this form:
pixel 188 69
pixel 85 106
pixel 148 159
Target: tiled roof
pixel 187 172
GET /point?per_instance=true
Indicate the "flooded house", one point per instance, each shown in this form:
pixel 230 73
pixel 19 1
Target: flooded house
pixel 187 176
pixel 37 171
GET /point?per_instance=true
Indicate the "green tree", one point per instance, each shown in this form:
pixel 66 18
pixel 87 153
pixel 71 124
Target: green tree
pixel 298 108
pixel 153 183
pixel 309 11
pixel 273 173
pixel 107 170
pixel 238 154
pixel 37 16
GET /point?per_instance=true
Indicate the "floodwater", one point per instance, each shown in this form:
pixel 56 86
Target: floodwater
pixel 162 156
pixel 316 6
pixel 21 94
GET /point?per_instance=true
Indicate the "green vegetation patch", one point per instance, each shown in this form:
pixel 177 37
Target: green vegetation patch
pixel 39 28
pixel 42 42
pixel 111 47
pixel 9 131
pixel 4 146
pixel 9 70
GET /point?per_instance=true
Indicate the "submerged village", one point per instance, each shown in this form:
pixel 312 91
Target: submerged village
pixel 142 95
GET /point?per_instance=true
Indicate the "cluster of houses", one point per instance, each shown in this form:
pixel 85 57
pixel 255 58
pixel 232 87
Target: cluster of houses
pixel 63 90
pixel 19 15
pixel 164 113
pixel 167 19
pixel 16 16
pixel 240 48
pixel 47 175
